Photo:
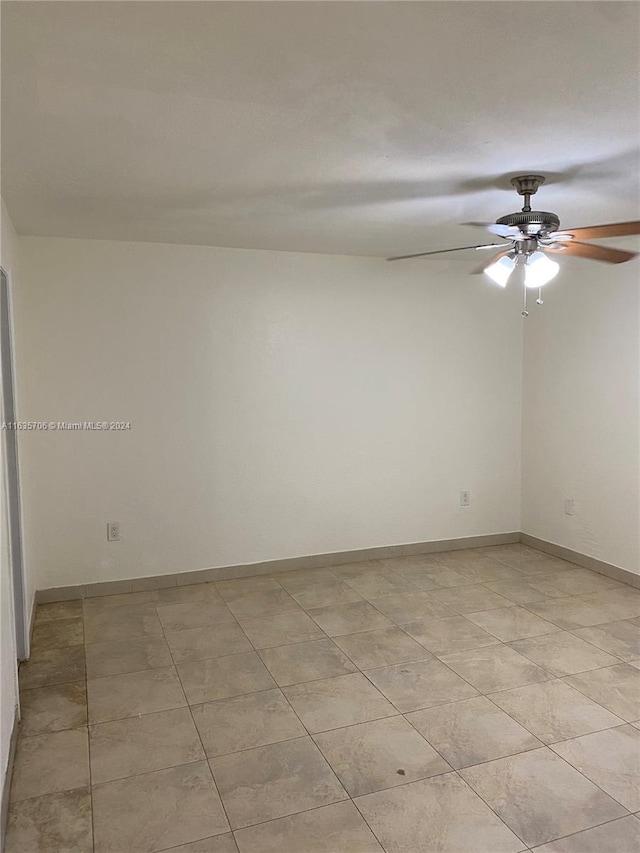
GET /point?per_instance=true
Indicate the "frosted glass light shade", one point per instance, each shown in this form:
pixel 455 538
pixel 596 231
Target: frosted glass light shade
pixel 539 269
pixel 500 271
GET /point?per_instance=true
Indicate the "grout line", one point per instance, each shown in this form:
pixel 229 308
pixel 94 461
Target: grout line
pixel 589 828
pixel 197 730
pixel 86 696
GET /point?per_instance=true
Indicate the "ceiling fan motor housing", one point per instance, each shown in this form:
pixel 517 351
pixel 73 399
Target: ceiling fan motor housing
pixel 531 221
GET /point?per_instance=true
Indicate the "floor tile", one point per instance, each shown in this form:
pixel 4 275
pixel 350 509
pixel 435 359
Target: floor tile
pixel 536 564
pixel 463 559
pixel 281 629
pixel 349 618
pixel 512 550
pixel 407 819
pixel 146 813
pixel 472 731
pixel 577 581
pixel 210 641
pixel 548 563
pixel 239 587
pixel 50 764
pixel 261 604
pixel 468 599
pixel 142 744
pixel 443 636
pixel 381 582
pixel 119 623
pixel 304 579
pixel 583 611
pixel 419 684
pixel 245 722
pixel 218 844
pixel 612 605
pixel 415 561
pixel 273 781
pixel 99 603
pixel 52 709
pixel 611 759
pixel 539 796
pixel 434 576
pixel 553 711
pixel 57 634
pixel 563 654
pixel 329 829
pixel 380 754
pixel 326 594
pixel 203 592
pixel 57 823
pixel 193 614
pixel 306 662
pixel 409 607
pixel 347 571
pixel 221 678
pixel 485 571
pixel 512 623
pixel 59 610
pixel 334 702
pixel 526 590
pixel 132 655
pixel 621 639
pixel 118 696
pixel 380 648
pixel 615 687
pixel 53 666
pixel 495 668
pixel 622 835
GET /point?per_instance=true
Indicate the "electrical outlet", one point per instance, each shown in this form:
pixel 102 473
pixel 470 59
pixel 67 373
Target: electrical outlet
pixel 113 531
pixel 465 498
pixel 569 506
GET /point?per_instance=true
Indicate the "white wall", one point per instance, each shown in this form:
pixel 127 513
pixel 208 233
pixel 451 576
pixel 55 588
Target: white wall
pixel 8 654
pixel 281 405
pixel 581 413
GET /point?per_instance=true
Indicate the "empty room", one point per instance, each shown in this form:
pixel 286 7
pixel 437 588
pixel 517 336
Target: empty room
pixel 320 453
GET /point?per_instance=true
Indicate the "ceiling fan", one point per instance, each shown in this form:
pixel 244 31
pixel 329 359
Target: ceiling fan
pixel 531 235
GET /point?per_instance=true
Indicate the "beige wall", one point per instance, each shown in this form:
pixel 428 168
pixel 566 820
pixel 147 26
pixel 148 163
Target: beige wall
pixel 581 414
pixel 281 405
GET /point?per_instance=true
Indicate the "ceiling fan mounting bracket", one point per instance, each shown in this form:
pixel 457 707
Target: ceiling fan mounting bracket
pixel 527 184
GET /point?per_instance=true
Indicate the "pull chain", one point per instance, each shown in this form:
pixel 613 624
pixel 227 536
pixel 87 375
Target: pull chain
pixel 525 313
pixel 540 300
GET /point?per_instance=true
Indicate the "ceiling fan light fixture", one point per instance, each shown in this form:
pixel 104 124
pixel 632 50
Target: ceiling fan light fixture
pixel 539 270
pixel 500 271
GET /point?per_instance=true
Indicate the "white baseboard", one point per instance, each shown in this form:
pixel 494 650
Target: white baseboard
pixel 65 593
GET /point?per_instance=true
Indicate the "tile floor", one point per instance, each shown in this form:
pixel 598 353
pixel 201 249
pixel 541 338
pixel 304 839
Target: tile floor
pixel 479 701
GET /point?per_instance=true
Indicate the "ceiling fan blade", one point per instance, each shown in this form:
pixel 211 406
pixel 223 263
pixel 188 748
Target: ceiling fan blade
pixel 496 228
pixel 592 252
pixel 504 230
pixel 595 232
pixel 492 260
pixel 555 237
pixel 441 252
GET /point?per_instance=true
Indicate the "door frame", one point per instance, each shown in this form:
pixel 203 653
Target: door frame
pixel 12 484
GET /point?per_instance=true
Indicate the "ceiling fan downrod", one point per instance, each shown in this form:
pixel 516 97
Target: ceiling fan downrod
pixel 527 185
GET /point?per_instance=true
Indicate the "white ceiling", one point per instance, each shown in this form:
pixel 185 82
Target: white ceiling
pixel 366 128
